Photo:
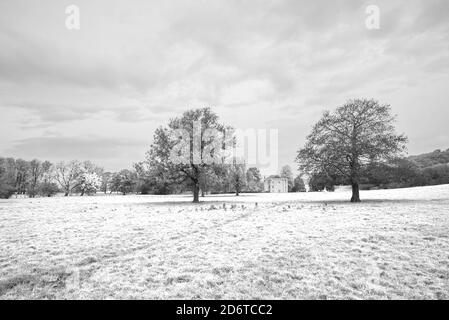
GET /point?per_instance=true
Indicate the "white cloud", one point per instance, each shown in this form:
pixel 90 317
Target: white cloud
pixel 132 66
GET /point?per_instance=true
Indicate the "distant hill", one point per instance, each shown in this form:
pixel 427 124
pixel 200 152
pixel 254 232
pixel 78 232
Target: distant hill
pixel 431 159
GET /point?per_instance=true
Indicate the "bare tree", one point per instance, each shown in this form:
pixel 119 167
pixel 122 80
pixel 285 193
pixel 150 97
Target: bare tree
pixel 237 176
pixel 36 173
pixel 22 172
pixel 67 174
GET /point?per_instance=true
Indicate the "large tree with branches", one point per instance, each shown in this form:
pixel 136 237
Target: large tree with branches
pixel 67 174
pixel 343 142
pixel 185 150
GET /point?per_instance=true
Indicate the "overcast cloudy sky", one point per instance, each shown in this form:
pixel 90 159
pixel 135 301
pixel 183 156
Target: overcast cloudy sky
pixel 99 92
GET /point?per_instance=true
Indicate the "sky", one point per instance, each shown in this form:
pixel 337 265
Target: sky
pixel 100 91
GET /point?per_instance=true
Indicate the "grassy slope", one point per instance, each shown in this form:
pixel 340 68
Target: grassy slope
pixel 290 246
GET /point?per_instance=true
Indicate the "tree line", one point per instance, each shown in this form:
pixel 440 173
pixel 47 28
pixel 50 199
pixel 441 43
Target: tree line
pixel 355 144
pixel 160 173
pixel 43 178
pixel 397 173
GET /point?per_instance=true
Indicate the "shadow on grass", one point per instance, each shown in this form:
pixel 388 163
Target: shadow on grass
pixel 367 201
pixel 52 279
pixel 210 201
pixel 11 283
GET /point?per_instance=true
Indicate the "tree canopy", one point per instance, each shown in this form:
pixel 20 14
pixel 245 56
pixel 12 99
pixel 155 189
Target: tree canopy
pixel 184 150
pixel 343 142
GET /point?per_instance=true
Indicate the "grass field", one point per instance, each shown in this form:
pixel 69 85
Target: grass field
pixel 394 245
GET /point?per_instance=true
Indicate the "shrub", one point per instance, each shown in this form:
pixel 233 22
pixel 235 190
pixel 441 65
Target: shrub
pixel 48 189
pixel 6 190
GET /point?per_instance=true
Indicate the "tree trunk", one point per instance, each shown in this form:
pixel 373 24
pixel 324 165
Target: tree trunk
pixel 196 192
pixel 204 186
pixel 66 194
pixel 355 192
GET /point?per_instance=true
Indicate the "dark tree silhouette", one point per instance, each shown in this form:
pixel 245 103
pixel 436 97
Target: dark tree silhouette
pixel 196 148
pixel 356 134
pixel 286 172
pixel 237 176
pixel 298 185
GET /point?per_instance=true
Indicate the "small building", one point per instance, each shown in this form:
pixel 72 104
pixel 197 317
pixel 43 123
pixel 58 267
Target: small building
pixel 275 184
